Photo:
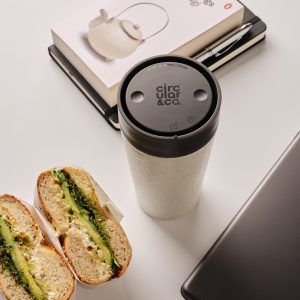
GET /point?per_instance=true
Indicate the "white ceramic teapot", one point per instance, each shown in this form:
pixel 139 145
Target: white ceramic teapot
pixel 113 38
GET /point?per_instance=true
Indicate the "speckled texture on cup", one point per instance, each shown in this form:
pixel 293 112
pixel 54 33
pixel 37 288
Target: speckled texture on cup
pixel 167 188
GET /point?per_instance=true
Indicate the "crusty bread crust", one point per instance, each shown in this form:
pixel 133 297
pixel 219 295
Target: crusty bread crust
pixel 25 221
pixel 118 239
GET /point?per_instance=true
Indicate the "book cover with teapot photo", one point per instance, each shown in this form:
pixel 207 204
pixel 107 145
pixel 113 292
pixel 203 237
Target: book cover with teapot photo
pixel 109 37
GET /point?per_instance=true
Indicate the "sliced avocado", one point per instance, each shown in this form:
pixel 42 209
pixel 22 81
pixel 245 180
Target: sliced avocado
pixel 83 219
pixel 16 263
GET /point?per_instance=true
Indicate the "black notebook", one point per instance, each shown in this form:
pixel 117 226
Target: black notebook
pixel 253 37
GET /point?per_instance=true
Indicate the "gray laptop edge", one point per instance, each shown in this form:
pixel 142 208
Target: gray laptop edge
pixel 258 255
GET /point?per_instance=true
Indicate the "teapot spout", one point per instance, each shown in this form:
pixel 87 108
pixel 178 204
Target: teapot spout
pixel 100 19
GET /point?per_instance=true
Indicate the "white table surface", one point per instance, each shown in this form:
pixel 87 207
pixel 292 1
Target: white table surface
pixel 45 122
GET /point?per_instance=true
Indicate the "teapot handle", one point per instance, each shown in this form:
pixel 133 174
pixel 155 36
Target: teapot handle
pixel 153 4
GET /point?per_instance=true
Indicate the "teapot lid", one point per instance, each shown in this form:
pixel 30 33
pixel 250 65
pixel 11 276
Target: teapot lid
pixel 132 30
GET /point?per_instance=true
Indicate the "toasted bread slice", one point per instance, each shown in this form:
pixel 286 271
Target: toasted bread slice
pixel 94 243
pixel 30 268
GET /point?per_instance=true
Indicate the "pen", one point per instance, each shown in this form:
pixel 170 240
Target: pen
pixel 228 40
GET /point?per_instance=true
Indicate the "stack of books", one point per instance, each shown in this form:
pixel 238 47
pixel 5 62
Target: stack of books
pixel 97 46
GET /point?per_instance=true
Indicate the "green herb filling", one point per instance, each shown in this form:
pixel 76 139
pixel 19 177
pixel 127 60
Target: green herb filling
pixel 86 212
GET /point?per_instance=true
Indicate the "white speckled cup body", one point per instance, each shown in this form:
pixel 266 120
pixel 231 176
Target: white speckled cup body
pixel 168 142
pixel 167 188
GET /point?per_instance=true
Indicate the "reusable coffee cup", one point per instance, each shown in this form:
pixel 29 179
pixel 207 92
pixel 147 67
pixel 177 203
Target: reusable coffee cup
pixel 168 112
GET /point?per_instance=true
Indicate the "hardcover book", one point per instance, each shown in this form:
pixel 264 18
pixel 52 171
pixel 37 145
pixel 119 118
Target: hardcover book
pixel 109 37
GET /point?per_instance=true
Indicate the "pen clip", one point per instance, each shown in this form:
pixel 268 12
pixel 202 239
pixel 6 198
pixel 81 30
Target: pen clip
pixel 228 47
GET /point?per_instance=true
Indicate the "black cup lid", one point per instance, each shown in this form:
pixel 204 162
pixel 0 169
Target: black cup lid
pixel 169 106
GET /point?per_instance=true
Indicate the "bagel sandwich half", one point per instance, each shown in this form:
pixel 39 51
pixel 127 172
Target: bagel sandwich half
pixel 30 268
pixel 92 240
